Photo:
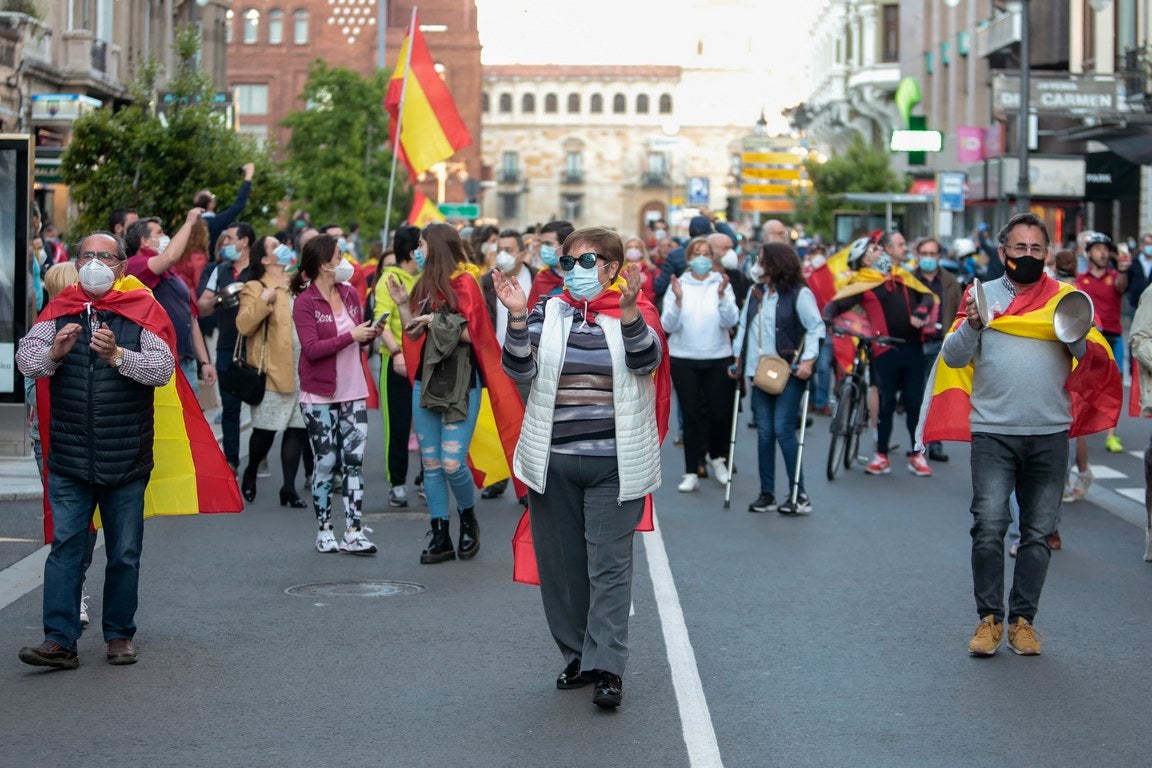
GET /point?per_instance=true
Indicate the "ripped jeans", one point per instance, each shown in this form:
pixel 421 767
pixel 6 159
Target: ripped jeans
pixel 444 453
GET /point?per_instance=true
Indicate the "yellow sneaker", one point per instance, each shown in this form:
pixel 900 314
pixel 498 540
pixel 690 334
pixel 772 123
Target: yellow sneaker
pixel 1113 445
pixel 989 634
pixel 1023 638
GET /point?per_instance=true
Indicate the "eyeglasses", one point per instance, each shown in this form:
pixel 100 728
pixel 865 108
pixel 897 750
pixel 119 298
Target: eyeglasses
pixel 587 260
pixel 105 256
pixel 1024 249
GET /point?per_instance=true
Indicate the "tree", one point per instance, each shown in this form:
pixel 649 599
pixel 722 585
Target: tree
pixel 155 161
pixel 861 169
pixel 339 157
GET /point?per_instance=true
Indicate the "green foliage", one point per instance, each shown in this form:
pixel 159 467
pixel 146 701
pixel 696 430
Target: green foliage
pixel 861 169
pixel 339 157
pixel 27 7
pixel 156 160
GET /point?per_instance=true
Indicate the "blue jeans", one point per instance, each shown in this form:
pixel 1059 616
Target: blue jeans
pixel 822 387
pixel 122 515
pixel 229 411
pixel 444 454
pixel 188 365
pixel 1033 466
pixel 777 417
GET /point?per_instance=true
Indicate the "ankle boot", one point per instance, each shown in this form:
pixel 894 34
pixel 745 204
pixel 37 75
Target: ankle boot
pixel 469 534
pixel 440 548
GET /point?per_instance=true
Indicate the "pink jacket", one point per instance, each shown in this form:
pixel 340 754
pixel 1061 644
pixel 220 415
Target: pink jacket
pixel 319 342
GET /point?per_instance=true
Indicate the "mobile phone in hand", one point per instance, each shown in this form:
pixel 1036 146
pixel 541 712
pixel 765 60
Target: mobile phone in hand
pixel 383 320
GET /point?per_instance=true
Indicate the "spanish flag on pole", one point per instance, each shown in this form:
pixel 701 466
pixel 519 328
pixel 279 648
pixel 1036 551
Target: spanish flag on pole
pixel 419 102
pixel 190 475
pixel 423 211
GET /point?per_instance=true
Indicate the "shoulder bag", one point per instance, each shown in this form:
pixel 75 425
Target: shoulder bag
pixel 243 380
pixel 772 371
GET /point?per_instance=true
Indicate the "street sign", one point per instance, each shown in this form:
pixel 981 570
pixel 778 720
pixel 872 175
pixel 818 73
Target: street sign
pixel 951 187
pixel 459 210
pixel 698 190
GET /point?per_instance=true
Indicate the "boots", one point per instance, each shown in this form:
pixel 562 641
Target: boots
pixel 469 534
pixel 440 548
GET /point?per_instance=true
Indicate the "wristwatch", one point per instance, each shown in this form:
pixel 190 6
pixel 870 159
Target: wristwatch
pixel 118 358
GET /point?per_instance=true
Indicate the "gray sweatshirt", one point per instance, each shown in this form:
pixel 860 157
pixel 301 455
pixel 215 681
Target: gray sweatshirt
pixel 1018 382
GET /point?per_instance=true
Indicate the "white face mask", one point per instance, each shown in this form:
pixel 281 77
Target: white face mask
pixel 756 272
pixel 730 260
pixel 343 271
pixel 96 278
pixel 818 261
pixel 505 262
pixel 633 254
pixel 163 243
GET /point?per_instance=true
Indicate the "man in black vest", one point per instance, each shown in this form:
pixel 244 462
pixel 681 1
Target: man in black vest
pixel 102 362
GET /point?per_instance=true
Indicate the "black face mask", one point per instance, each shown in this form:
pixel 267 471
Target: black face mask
pixel 1024 269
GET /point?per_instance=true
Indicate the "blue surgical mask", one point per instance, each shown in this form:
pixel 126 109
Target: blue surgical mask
pixel 229 253
pixel 285 256
pixel 584 282
pixel 344 246
pixel 1148 250
pixel 548 255
pixel 418 257
pixel 700 265
pixel 928 264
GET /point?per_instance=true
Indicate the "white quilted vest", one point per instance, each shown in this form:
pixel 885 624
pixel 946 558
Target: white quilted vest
pixel 633 396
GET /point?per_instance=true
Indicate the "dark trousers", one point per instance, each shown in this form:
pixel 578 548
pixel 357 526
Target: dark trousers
pixel 705 394
pixel 900 369
pixel 229 411
pixel 1033 466
pixel 397 424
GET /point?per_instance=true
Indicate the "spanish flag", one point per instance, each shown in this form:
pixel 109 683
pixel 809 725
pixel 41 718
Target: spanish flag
pixel 431 130
pixel 423 212
pixel 191 474
pixel 1094 384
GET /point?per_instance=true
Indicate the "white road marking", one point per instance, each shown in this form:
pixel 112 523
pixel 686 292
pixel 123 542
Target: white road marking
pixel 1137 454
pixel 1136 494
pixel 22 577
pixel 9 540
pixel 1103 472
pixel 695 718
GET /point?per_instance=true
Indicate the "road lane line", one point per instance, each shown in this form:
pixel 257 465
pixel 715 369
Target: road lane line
pixel 695 718
pixel 25 575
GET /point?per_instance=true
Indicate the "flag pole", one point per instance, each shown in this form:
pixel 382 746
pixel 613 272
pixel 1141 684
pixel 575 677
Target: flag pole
pixel 400 120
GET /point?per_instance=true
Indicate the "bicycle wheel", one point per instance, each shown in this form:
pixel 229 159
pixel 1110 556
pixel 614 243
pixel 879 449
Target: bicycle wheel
pixel 858 424
pixel 841 427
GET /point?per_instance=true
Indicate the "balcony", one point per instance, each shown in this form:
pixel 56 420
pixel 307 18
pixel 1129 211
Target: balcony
pixel 86 56
pixel 1132 69
pixel 508 176
pixel 999 33
pixel 572 177
pixel 36 36
pixel 655 179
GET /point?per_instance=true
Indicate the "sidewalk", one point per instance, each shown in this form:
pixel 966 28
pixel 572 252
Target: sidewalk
pixel 20 480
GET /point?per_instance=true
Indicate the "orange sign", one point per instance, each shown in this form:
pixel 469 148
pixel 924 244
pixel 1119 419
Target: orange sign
pixel 768 206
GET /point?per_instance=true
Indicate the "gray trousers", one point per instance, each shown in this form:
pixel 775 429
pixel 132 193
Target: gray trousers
pixel 583 541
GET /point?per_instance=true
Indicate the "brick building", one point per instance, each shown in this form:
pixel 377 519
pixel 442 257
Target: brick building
pixel 272 42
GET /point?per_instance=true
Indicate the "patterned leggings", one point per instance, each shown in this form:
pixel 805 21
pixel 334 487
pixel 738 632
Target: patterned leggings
pixel 338 432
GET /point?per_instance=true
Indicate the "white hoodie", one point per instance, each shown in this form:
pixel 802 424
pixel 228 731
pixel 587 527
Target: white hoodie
pixel 697 326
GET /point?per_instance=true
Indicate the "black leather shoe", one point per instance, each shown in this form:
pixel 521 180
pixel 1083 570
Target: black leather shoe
pixel 494 491
pixel 248 483
pixel 609 691
pixel 572 677
pixel 290 499
pixel 937 454
pixel 50 654
pixel 469 534
pixel 121 651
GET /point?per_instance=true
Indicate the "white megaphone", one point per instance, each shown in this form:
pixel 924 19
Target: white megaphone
pixel 1073 317
pixel 982 308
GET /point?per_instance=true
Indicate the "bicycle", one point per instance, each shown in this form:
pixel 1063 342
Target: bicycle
pixel 850 418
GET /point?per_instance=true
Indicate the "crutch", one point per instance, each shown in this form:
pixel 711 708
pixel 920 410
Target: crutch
pixel 732 445
pixel 800 447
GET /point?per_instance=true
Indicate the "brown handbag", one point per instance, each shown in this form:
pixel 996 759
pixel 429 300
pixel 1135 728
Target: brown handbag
pixel 772 371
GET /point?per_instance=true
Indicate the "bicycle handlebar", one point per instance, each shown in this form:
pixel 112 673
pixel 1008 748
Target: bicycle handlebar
pixel 838 331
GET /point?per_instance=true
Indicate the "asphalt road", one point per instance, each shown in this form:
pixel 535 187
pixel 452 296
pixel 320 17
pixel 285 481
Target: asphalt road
pixel 837 639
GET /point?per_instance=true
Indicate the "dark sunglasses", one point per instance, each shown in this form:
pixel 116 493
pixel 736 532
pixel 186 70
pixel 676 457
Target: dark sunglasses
pixel 587 260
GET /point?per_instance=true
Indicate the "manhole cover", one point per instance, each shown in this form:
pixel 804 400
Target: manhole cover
pixel 356 589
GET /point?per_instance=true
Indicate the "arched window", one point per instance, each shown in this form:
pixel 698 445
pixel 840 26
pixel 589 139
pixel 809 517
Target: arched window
pixel 642 104
pixel 229 21
pixel 485 104
pixel 528 103
pixel 275 27
pixel 665 103
pixel 573 103
pixel 251 26
pixel 300 27
pixel 597 105
pixel 505 102
pixel 619 104
pixel 551 104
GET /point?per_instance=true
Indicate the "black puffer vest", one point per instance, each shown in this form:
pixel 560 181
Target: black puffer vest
pixel 102 421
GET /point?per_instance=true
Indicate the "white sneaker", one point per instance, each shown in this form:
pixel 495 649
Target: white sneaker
pixel 1078 488
pixel 83 609
pixel 690 483
pixel 398 496
pixel 356 543
pixel 326 541
pixel 719 471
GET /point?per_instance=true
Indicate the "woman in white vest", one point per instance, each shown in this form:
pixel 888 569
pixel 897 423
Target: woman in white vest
pixel 589 450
